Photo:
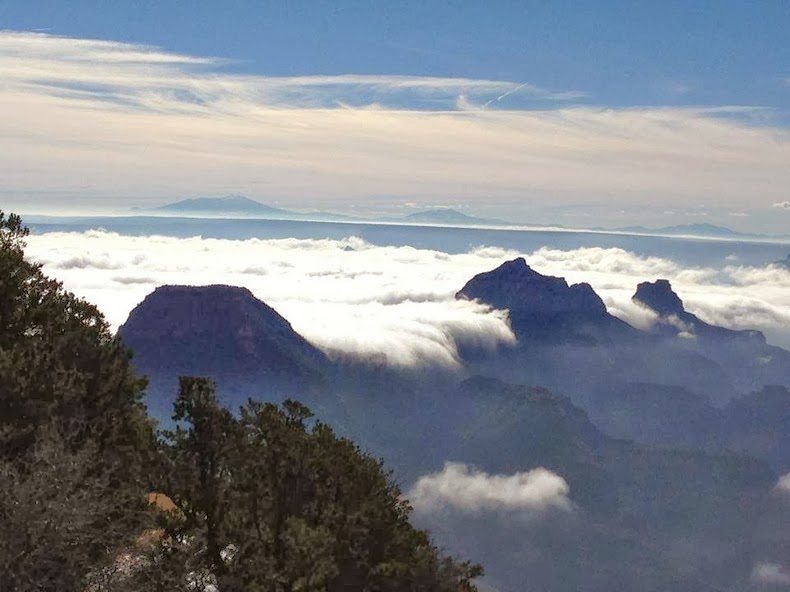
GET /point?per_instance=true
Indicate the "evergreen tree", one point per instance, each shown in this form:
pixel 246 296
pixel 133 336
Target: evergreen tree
pixel 74 435
pixel 272 501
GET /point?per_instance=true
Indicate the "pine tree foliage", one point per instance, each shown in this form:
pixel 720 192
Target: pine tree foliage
pixel 59 360
pixel 74 436
pixel 272 501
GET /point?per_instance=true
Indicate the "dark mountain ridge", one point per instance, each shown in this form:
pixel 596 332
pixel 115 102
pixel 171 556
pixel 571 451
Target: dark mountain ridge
pixel 546 308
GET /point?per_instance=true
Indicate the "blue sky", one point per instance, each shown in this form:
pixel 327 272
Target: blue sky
pixel 637 53
pixel 652 68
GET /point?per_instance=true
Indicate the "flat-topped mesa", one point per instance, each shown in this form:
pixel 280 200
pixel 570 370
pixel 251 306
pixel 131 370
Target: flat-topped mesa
pixel 222 329
pixel 517 287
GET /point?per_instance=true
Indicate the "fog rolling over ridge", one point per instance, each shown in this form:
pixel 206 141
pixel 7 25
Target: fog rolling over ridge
pixel 584 418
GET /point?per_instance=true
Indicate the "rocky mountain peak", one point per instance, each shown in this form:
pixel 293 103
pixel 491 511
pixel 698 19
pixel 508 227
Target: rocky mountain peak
pixel 659 297
pixel 515 286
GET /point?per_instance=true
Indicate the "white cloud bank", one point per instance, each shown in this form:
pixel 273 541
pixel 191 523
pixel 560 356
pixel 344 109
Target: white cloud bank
pixel 783 485
pixel 348 295
pixel 98 121
pixel 461 487
pixel 396 302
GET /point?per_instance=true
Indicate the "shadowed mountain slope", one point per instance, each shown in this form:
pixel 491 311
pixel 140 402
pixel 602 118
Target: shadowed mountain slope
pixel 634 506
pixel 219 331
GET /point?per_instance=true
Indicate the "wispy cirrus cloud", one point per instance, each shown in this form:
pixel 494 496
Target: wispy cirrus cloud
pixel 106 71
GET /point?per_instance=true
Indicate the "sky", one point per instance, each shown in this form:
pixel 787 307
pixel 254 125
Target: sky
pixel 580 113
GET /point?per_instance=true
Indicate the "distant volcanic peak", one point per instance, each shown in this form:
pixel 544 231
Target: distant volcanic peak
pixel 234 204
pixel 515 286
pixel 659 297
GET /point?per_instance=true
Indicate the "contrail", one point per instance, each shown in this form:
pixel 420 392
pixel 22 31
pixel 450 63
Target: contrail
pixel 507 94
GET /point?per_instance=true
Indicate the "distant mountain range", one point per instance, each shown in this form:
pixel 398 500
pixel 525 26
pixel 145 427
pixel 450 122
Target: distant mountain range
pixel 448 217
pixel 239 206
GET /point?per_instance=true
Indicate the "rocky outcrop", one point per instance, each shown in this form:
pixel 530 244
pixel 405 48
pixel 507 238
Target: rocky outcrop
pixel 659 297
pixel 545 307
pixel 517 287
pixel 674 319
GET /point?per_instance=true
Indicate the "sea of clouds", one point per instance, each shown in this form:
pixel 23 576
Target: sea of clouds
pixel 360 298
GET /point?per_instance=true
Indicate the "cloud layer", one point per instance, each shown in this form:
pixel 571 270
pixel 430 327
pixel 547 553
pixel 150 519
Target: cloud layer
pixel 341 294
pixel 397 302
pixel 97 121
pixel 460 487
